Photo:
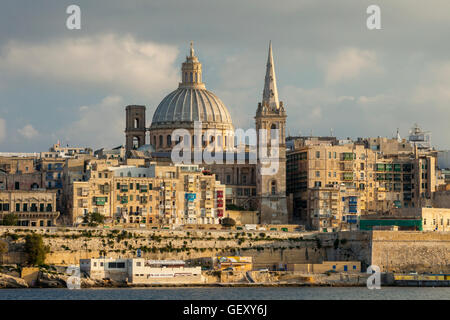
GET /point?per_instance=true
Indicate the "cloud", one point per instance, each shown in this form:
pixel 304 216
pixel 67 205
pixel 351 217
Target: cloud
pixel 28 132
pixel 118 63
pixel 350 63
pixel 98 125
pixel 435 88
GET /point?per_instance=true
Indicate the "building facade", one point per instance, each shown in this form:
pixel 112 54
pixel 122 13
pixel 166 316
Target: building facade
pixel 401 177
pixel 157 194
pixel 36 208
pixel 195 120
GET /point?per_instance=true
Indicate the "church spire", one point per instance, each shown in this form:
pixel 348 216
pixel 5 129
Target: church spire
pixel 270 93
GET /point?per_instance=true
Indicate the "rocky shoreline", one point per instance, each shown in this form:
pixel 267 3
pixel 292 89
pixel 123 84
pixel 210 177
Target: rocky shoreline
pixel 50 280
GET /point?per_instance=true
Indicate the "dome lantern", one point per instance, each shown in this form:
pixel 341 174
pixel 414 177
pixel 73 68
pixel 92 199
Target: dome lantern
pixel 191 71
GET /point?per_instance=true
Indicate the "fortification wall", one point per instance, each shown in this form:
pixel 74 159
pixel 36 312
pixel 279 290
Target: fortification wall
pixel 408 251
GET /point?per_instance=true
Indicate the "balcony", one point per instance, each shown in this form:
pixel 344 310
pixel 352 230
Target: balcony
pixel 347 156
pixel 100 201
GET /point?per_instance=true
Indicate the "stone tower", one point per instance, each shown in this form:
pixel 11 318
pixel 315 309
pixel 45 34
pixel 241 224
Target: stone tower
pixel 135 127
pixel 271 173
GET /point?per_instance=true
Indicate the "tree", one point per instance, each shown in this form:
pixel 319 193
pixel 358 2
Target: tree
pixel 10 219
pixel 228 222
pixel 35 249
pixel 94 219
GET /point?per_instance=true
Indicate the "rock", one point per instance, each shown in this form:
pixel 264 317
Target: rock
pixel 7 281
pixel 48 280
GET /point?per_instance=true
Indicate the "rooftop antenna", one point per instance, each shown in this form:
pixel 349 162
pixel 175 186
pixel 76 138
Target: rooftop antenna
pixel 331 132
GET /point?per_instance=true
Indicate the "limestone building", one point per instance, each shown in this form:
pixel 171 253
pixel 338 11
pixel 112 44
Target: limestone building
pixel 386 173
pixel 154 194
pixel 36 208
pixel 206 124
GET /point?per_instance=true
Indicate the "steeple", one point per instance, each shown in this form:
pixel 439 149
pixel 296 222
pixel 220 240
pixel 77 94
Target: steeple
pixel 270 93
pixel 191 71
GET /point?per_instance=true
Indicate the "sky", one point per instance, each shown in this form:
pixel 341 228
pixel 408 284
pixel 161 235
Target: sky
pixel 333 73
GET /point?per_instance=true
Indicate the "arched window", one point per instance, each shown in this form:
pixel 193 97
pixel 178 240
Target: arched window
pixel 154 141
pixel 160 141
pixel 135 142
pixel 136 123
pixel 273 187
pixel 34 186
pixel 203 140
pixel 273 131
pixel 191 77
pixel 169 140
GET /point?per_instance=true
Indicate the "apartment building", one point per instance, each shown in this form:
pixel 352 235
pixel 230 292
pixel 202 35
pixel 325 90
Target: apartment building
pixel 157 194
pixel 36 208
pixel 319 164
pixel 333 207
pixel 401 177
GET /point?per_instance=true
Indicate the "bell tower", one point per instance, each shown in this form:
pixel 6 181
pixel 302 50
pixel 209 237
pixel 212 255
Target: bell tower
pixel 135 127
pixel 271 167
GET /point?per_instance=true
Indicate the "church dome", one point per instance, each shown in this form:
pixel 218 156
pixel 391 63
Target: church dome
pixel 191 102
pixel 189 105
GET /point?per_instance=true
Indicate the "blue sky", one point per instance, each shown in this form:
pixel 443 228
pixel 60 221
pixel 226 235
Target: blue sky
pixel 332 72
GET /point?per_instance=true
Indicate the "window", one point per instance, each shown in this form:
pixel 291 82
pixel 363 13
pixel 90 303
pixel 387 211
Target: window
pixel 317 174
pixel 274 187
pixel 17 206
pixel 25 207
pixel 116 265
pixel 317 154
pixel 17 185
